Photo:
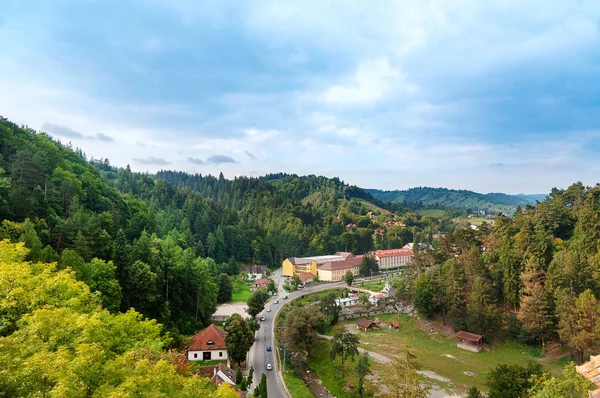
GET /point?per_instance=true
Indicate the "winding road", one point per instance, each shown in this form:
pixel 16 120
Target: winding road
pixel 259 357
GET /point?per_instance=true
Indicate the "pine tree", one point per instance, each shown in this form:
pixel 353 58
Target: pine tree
pixel 405 380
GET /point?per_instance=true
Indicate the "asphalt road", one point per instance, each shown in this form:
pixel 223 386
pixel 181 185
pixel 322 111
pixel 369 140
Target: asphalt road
pixel 259 357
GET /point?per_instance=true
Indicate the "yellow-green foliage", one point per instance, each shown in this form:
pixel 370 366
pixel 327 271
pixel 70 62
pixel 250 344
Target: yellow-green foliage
pixel 57 341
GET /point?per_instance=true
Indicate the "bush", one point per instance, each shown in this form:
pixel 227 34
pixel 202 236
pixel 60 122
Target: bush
pixel 459 324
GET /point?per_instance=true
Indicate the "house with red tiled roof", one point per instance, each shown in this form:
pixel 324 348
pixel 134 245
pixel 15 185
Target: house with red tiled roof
pixel 259 284
pixel 366 324
pixel 220 374
pixel 306 277
pixel 208 345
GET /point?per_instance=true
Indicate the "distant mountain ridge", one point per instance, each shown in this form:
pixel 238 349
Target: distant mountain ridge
pixel 493 202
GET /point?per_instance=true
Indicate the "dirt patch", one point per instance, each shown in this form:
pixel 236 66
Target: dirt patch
pixel 435 325
pixel 229 309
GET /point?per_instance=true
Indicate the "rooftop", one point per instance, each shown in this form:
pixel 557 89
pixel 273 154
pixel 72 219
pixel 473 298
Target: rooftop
pixel 394 252
pixel 341 265
pixel 211 338
pixel 469 336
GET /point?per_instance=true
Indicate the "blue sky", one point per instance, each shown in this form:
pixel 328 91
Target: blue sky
pixel 471 94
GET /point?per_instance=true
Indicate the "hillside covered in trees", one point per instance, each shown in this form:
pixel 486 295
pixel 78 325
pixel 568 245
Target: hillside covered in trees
pixel 443 198
pixel 535 276
pixel 159 243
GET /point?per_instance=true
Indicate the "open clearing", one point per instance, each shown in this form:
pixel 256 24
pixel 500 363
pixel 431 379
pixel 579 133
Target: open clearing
pixel 438 354
pixel 242 295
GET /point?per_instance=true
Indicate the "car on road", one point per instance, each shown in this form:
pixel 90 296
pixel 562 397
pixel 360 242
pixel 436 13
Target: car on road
pixel 285 297
pixel 276 301
pixel 268 310
pixel 269 366
pixel 268 348
pixel 262 318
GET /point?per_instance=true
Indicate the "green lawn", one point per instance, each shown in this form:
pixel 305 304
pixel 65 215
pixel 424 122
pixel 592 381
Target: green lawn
pixel 374 286
pixel 242 296
pixel 440 354
pixel 433 213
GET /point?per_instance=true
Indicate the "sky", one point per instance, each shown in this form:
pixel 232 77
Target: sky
pixel 491 96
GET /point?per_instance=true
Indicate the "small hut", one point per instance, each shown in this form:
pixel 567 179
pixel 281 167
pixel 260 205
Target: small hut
pixel 395 325
pixel 469 341
pixel 366 324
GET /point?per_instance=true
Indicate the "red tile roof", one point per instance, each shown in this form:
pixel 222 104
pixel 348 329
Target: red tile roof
pixel 261 282
pixel 394 252
pixel 338 265
pixel 469 336
pixel 395 324
pixel 202 340
pixel 305 276
pixel 364 323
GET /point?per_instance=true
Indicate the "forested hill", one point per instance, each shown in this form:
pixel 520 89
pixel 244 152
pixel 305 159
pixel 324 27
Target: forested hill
pixel 456 199
pixel 159 246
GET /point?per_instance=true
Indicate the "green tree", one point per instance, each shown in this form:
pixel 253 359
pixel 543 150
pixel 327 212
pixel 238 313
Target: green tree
pixel 238 376
pixel 578 321
pixel 349 278
pixel 299 329
pixel 368 265
pixel 261 390
pixel 239 338
pixel 101 276
pixel 405 380
pixel 345 345
pixel 512 381
pixel 362 369
pixel 482 315
pixel 225 289
pixel 536 315
pixel 571 385
pixel 474 393
pixel 424 295
pixel 256 302
pixel 272 287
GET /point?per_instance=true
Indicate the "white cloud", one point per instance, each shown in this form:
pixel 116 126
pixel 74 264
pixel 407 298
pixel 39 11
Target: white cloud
pixel 373 80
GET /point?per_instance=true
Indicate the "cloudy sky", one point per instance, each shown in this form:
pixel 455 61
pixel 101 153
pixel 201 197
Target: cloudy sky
pixel 498 95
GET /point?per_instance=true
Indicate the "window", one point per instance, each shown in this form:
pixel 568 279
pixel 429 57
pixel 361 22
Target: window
pixel 210 342
pixel 195 355
pixel 221 354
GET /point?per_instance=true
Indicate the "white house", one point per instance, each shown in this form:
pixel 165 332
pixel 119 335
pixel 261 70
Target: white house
pixel 255 271
pixel 393 258
pixel 349 301
pixel 208 345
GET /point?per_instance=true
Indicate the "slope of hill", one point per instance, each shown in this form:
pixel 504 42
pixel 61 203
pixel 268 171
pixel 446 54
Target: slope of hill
pixel 456 199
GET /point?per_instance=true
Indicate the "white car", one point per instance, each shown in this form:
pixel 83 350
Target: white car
pixel 268 310
pixel 269 366
pixel 262 318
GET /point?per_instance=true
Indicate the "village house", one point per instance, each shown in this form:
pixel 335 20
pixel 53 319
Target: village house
pixel 335 271
pixel 306 277
pixel 393 258
pixel 366 324
pixel 349 301
pixel 255 271
pixel 220 374
pixel 208 345
pixel 259 284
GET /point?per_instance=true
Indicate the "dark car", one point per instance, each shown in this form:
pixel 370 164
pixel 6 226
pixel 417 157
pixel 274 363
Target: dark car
pixel 268 348
pixel 285 297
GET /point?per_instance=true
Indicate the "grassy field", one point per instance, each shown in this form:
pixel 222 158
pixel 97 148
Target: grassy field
pixel 330 371
pixel 438 354
pixel 473 220
pixel 242 296
pixel 434 213
pixel 374 286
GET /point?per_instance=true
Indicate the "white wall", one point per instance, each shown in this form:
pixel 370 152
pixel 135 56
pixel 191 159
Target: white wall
pixel 214 355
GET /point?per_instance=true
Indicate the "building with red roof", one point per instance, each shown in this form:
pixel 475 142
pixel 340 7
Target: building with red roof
pixel 208 345
pixel 393 258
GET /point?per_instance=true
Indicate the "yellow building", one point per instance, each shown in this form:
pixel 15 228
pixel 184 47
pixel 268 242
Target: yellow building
pixel 335 271
pixel 297 265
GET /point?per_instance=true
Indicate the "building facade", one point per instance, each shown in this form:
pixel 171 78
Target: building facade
pixel 208 345
pixel 393 258
pixel 335 271
pixel 298 265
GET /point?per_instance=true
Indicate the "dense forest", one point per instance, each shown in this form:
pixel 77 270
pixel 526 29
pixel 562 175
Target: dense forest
pixel 534 276
pixel 158 243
